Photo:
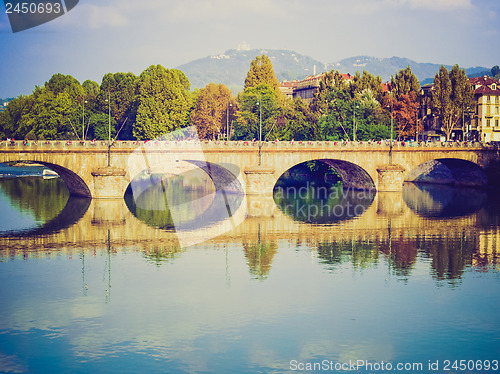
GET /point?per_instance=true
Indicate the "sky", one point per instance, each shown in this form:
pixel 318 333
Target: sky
pixel 102 36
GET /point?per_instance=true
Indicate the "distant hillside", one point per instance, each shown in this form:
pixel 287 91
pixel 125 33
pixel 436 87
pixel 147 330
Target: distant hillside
pixel 4 101
pixel 387 67
pixel 231 67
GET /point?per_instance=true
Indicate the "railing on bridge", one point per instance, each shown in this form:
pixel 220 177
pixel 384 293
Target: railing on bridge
pixel 186 144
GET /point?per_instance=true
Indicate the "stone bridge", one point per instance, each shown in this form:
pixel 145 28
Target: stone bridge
pixel 92 169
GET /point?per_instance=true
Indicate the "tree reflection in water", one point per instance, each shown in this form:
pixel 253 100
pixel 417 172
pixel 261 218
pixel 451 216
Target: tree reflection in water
pixel 306 197
pixel 171 203
pixel 434 200
pixel 47 200
pixel 395 233
pixel 314 194
pixel 163 194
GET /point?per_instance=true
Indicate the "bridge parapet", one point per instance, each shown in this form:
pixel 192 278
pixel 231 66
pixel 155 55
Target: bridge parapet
pixel 281 145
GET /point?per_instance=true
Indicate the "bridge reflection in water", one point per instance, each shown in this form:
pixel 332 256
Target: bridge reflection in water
pixel 453 228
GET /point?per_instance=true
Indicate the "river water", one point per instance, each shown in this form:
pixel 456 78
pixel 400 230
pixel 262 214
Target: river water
pixel 318 280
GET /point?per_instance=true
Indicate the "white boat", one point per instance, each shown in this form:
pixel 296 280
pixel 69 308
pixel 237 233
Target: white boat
pixel 48 173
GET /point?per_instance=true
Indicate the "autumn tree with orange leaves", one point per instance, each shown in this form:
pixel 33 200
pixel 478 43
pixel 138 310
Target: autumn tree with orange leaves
pixel 213 104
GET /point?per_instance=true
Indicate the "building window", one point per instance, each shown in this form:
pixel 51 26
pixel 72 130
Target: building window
pixel 493 86
pixel 488 99
pixel 496 123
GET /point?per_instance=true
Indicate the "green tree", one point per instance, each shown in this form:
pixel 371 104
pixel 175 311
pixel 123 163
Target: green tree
pixel 337 106
pixel 60 83
pixel 404 83
pixel 121 90
pixel 338 81
pixel 10 119
pixel 91 91
pixel 332 88
pixel 182 78
pixel 452 94
pixel 333 123
pixel 253 103
pixel 359 83
pixel 371 122
pixel 49 117
pixel 294 120
pixel 261 72
pixel 210 112
pixel 320 103
pixel 163 101
pixel 364 113
pixel 366 99
pixel 101 125
pixel 58 109
pixel 495 72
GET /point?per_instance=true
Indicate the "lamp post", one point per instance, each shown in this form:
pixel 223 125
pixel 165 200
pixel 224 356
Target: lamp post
pixel 416 128
pixel 354 122
pixel 227 120
pixel 468 127
pixel 464 128
pixel 109 128
pixel 260 132
pixel 83 120
pixel 392 126
pixel 109 118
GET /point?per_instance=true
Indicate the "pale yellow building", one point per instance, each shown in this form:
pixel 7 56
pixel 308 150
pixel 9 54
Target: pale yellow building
pixel 485 116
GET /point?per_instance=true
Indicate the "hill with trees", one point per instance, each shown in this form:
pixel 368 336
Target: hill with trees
pixel 230 68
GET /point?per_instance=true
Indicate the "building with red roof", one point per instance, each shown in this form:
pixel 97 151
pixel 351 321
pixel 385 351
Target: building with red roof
pixel 305 88
pixel 287 88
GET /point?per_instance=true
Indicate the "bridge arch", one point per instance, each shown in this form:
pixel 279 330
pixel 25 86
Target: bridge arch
pixel 353 176
pixel 451 171
pixel 77 187
pixel 225 177
pixel 222 202
pixel 214 211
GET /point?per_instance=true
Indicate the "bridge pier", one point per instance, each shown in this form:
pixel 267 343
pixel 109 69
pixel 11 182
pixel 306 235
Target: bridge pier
pixel 390 177
pixel 260 180
pixel 109 183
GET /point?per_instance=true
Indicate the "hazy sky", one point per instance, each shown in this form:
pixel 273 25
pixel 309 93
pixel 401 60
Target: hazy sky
pixel 101 36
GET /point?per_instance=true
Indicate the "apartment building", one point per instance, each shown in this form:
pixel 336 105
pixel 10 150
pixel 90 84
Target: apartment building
pixel 485 116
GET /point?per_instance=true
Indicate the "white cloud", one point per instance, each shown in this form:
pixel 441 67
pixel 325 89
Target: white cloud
pixel 376 6
pixel 12 364
pixel 99 16
pixel 94 17
pixel 221 9
pixel 440 4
